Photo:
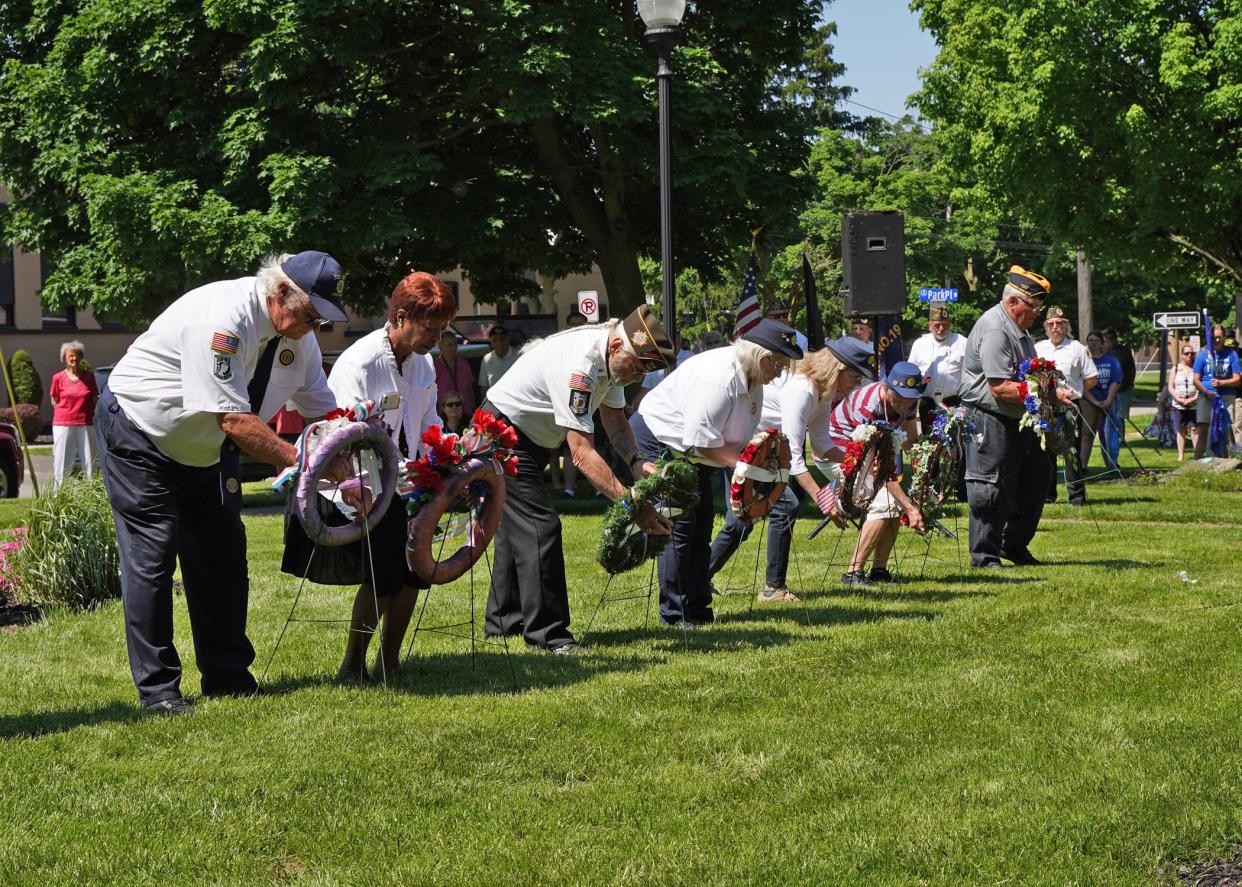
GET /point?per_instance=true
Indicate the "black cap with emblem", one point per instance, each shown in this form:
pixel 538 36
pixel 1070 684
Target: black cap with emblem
pixel 648 338
pixel 775 336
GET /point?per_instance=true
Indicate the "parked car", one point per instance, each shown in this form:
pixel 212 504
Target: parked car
pixel 12 465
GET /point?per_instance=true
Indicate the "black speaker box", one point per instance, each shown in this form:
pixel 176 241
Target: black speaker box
pixel 873 263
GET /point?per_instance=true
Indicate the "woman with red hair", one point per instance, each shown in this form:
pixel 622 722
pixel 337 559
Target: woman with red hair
pixel 393 358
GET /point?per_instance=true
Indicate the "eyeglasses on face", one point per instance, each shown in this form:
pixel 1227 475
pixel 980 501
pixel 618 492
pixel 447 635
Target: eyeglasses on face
pixel 1037 308
pixel 310 318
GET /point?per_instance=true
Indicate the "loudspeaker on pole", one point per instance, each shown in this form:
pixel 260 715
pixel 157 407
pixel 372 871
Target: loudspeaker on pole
pixel 873 263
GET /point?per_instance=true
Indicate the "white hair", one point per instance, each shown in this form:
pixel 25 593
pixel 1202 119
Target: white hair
pixel 271 276
pixel 75 345
pixel 1011 291
pixel 748 356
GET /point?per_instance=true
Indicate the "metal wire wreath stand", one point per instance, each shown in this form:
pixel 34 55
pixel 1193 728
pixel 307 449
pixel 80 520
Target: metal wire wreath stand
pixel 446 629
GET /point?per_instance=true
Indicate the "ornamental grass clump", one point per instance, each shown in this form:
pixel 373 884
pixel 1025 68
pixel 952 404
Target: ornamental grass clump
pixel 69 557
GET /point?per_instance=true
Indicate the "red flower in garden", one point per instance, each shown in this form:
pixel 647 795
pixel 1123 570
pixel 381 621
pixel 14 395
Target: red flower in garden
pixel 511 465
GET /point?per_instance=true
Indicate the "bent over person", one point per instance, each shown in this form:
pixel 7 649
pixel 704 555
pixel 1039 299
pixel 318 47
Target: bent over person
pixel 189 395
pixel 1006 471
pixel 549 396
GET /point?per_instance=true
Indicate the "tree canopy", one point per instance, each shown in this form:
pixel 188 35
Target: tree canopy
pixel 1114 124
pixel 151 145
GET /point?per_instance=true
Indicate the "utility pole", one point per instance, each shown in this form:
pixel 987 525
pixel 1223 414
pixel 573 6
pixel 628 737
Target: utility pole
pixel 1085 320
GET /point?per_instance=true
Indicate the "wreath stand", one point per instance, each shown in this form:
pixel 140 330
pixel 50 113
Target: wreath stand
pixel 471 625
pixel 762 527
pixel 292 617
pixel 630 594
pixel 1115 470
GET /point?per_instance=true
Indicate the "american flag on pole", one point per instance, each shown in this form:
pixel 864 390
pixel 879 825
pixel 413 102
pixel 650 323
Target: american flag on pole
pixel 748 313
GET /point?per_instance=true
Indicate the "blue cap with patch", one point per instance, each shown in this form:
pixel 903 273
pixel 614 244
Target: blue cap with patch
pixel 775 336
pixel 907 380
pixel 855 354
pixel 320 277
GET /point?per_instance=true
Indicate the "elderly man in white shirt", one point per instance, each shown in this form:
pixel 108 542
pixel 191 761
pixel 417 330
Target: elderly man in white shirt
pixel 708 410
pixel 393 358
pixel 192 392
pixel 1074 360
pixel 939 354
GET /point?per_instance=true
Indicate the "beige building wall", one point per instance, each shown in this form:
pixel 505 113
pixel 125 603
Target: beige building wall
pixel 43 338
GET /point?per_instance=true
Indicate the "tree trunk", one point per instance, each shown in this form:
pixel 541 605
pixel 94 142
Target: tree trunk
pixel 603 222
pixel 1085 319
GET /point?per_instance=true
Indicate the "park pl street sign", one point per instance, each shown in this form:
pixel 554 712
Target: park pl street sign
pixel 938 294
pixel 1177 320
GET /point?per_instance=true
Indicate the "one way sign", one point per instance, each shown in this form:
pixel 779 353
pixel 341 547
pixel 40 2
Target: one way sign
pixel 1177 320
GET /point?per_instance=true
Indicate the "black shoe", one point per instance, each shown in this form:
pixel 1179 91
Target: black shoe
pixel 855 577
pixel 174 706
pixel 217 692
pixel 1022 558
pixel 991 565
pixel 881 576
pixel 571 649
pixel 690 623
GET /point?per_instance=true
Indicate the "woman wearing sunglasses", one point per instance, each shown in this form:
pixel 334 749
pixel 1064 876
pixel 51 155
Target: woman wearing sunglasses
pixel 1185 396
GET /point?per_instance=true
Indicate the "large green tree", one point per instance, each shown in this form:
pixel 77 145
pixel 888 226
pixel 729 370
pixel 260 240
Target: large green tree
pixel 154 144
pixel 1115 124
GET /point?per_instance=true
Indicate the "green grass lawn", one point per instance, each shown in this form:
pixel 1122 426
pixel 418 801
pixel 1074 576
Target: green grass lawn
pixel 1072 723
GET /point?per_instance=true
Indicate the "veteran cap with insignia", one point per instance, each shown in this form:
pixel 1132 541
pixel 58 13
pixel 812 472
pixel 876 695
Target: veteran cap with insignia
pixel 855 354
pixel 775 336
pixel 907 380
pixel 1030 283
pixel 647 338
pixel 938 312
pixel 320 277
pixel 1056 312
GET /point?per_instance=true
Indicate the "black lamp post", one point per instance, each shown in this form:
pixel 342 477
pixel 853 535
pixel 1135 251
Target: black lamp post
pixel 663 21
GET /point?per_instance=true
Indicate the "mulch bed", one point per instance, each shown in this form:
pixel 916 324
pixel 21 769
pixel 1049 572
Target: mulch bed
pixel 15 615
pixel 1217 873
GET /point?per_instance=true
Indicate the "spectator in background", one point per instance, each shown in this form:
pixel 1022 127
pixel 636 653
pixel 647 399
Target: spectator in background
pixel 1103 399
pixel 497 361
pixel 453 372
pixel 1216 375
pixel 939 355
pixel 1074 361
pixel 1125 357
pixel 575 318
pixel 453 415
pixel 1185 395
pixel 73 396
pixel 860 328
pixel 1231 344
pixel 780 313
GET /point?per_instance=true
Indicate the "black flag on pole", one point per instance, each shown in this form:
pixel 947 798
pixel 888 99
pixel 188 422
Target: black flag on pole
pixel 814 323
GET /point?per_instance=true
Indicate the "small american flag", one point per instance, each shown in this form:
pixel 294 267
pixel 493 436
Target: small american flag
pixel 748 310
pixel 224 343
pixel 579 382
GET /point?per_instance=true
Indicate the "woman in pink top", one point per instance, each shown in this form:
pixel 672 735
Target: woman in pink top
pixel 73 396
pixel 453 373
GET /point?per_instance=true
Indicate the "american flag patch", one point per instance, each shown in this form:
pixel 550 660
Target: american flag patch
pixel 579 382
pixel 224 343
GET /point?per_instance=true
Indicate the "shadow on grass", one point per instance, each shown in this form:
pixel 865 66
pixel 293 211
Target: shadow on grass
pixel 1111 564
pixel 43 723
pixel 890 595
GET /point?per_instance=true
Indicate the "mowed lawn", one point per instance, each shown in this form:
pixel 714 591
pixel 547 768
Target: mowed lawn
pixel 1077 722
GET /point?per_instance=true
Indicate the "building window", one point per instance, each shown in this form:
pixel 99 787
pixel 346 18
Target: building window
pixel 8 288
pixel 66 318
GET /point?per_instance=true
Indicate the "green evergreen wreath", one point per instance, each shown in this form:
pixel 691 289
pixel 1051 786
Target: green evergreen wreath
pixel 672 489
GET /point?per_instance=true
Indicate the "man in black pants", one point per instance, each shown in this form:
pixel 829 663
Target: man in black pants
pixel 1006 471
pixel 549 396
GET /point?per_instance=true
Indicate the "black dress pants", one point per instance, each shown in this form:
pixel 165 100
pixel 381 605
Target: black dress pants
pixel 164 512
pixel 529 595
pixel 1006 482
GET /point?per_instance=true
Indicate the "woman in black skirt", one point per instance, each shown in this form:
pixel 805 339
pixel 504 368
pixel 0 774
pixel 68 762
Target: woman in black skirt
pixel 390 359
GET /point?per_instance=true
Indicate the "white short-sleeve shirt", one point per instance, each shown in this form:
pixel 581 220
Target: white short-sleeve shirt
pixel 196 360
pixel 1072 358
pixel 558 383
pixel 942 361
pixel 706 403
pixel 367 370
pixel 803 416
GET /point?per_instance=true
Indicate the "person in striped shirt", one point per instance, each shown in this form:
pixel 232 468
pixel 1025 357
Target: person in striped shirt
pixel 892 401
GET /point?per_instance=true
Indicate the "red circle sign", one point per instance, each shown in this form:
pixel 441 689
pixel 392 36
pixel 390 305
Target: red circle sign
pixel 587 306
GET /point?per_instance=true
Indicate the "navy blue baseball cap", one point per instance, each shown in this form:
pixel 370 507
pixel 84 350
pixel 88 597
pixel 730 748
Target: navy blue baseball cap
pixel 320 277
pixel 855 354
pixel 907 380
pixel 775 336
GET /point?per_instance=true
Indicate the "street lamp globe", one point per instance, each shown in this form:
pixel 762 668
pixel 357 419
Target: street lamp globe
pixel 661 13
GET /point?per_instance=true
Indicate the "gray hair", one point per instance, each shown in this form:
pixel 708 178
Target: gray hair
pixel 748 356
pixel 75 345
pixel 1012 292
pixel 271 276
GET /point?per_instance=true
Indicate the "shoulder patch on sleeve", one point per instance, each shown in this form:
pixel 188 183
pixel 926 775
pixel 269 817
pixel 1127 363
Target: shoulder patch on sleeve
pixel 580 382
pixel 224 343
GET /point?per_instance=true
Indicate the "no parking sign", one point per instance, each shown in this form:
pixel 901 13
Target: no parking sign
pixel 588 305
